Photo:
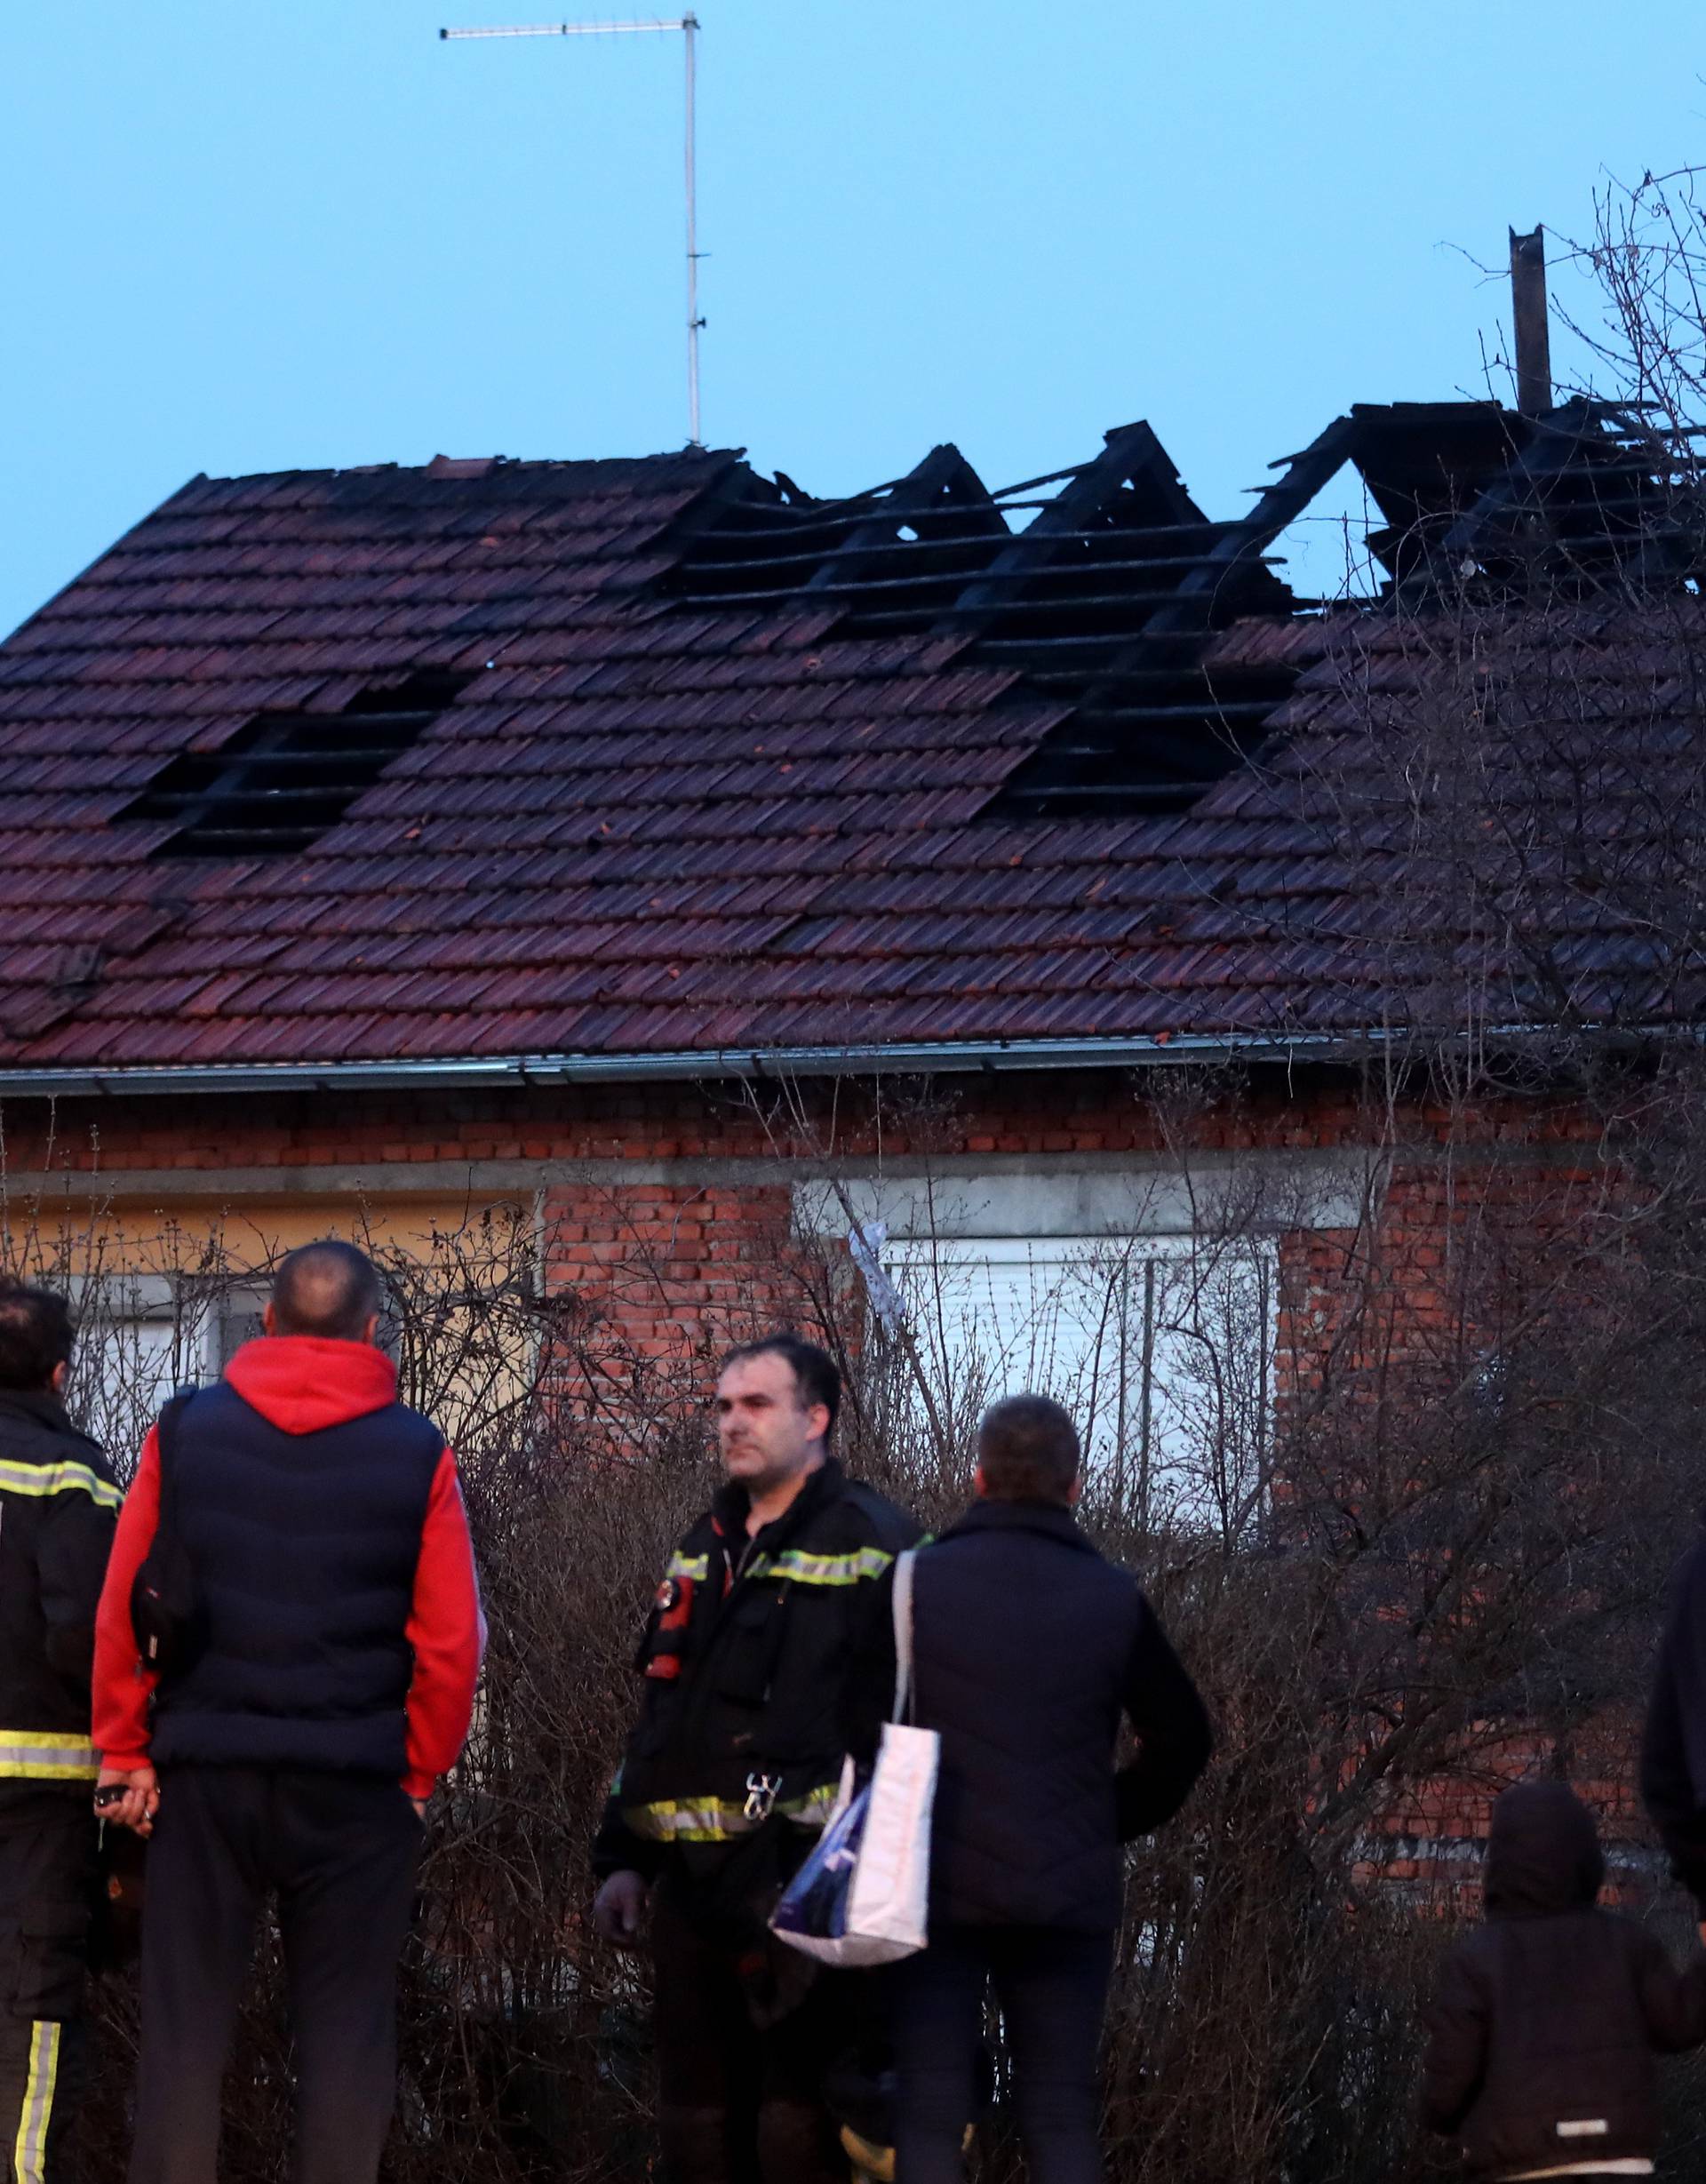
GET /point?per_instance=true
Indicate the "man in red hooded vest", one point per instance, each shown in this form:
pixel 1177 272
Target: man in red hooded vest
pixel 330 1683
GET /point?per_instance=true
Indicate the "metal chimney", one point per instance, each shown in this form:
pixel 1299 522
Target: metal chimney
pixel 1528 317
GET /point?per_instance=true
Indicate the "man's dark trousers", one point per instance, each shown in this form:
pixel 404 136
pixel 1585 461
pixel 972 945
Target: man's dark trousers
pixel 339 1851
pixel 47 1884
pixel 1052 1986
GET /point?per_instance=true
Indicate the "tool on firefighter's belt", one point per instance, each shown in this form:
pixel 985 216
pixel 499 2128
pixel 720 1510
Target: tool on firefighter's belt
pixel 761 1795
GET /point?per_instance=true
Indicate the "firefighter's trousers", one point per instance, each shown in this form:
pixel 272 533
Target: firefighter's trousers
pixel 48 1850
pixel 737 2104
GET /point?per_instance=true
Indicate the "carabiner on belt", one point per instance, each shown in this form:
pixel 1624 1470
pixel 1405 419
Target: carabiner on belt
pixel 762 1792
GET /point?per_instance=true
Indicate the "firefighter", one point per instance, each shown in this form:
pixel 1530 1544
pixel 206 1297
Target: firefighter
pixel 731 1768
pixel 58 1508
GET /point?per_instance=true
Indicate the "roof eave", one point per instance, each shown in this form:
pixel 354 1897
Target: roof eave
pixel 473 1073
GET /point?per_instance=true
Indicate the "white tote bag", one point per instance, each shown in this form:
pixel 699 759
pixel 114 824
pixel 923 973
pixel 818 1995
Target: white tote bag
pixel 862 1897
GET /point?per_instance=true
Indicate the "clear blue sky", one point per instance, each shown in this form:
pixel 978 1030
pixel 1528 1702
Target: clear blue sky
pixel 252 236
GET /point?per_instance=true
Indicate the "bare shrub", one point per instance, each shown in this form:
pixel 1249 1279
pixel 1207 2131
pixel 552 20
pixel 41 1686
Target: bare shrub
pixel 1404 1502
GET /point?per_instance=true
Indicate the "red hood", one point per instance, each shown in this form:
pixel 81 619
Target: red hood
pixel 302 1383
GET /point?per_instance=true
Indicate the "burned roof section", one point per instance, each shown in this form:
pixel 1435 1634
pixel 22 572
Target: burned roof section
pixel 283 778
pixel 1100 591
pixel 1105 584
pixel 1484 505
pixel 628 758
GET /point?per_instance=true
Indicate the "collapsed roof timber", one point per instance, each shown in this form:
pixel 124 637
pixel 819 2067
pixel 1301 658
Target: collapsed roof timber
pixel 1109 594
pixel 662 759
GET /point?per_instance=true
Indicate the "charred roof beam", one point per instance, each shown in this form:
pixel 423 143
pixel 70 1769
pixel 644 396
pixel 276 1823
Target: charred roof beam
pixel 1131 453
pixel 943 487
pixel 1570 448
pixel 1306 474
pixel 1165 736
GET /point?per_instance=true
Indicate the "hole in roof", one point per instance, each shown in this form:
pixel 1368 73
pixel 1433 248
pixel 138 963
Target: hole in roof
pixel 1109 593
pixel 1019 505
pixel 1103 587
pixel 284 779
pixel 1324 552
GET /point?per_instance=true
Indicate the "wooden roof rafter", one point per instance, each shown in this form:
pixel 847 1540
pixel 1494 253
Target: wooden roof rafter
pixel 1151 729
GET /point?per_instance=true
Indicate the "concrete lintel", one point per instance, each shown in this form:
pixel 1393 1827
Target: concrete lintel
pixel 1258 1193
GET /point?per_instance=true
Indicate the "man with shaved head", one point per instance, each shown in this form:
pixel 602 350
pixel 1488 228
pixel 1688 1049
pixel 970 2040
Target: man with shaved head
pixel 320 1654
pixel 329 1290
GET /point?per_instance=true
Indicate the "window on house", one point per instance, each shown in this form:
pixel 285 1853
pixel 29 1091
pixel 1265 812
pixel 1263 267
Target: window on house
pixel 284 777
pixel 141 1338
pixel 1160 1347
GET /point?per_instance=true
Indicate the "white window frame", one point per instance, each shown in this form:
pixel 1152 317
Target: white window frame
pixel 121 1395
pixel 1158 1448
pixel 1228 1208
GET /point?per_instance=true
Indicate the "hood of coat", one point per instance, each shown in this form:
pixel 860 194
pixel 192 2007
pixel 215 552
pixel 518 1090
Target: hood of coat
pixel 1543 1854
pixel 303 1383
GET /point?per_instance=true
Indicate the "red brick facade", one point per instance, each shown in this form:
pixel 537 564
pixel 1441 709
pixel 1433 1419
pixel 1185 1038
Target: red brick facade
pixel 672 1202
pixel 670 1212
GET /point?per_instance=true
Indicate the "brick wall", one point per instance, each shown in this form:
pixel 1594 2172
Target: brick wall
pixel 666 1211
pixel 669 1204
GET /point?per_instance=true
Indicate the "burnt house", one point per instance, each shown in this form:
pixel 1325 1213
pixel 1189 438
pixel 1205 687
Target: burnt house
pixel 626 843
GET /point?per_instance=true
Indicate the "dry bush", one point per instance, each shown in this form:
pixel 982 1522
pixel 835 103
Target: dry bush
pixel 1433 1562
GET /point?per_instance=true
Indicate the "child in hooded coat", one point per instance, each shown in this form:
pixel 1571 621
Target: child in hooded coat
pixel 1547 2018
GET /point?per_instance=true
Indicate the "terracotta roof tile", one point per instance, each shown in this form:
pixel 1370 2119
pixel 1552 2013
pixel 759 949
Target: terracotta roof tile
pixel 644 825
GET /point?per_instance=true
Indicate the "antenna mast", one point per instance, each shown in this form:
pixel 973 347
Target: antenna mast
pixel 689 26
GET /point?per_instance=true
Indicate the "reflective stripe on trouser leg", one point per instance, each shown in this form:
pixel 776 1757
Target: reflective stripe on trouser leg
pixel 29 2152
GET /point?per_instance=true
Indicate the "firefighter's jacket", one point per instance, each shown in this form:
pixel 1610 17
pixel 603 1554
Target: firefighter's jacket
pixel 58 1503
pixel 745 1661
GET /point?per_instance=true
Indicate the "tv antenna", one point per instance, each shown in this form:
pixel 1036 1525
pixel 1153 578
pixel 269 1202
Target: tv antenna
pixel 689 26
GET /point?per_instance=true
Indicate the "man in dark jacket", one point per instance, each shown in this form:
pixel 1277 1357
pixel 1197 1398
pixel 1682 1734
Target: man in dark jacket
pixel 1028 1650
pixel 330 1685
pixel 58 1504
pixel 1543 2028
pixel 733 1766
pixel 1673 1751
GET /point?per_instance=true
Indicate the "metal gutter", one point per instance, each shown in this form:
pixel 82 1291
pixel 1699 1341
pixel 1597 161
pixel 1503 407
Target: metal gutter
pixel 475 1073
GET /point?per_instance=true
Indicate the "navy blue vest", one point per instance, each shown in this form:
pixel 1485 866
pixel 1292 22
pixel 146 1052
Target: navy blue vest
pixel 304 1547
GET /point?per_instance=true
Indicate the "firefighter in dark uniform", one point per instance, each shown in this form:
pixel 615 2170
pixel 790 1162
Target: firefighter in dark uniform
pixel 58 1503
pixel 731 1768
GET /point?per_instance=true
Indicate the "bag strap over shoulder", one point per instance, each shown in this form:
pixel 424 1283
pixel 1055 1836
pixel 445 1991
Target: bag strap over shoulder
pixel 165 1441
pixel 905 1565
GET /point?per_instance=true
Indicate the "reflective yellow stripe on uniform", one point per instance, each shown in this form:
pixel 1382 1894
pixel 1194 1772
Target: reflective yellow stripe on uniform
pixel 694 1568
pixel 803 1569
pixel 44 1756
pixel 29 2150
pixel 43 1479
pixel 720 1820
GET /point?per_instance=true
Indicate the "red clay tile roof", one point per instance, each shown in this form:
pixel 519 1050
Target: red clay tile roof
pixel 642 825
